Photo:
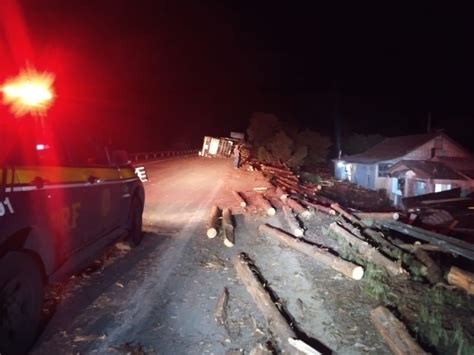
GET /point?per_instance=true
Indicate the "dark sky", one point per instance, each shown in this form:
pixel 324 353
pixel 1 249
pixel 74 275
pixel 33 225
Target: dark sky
pixel 154 73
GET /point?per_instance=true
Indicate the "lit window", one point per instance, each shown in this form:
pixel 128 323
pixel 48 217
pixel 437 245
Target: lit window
pixel 442 187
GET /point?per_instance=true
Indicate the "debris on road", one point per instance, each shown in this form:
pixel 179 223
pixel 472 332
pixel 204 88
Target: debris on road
pixel 213 222
pixel 228 228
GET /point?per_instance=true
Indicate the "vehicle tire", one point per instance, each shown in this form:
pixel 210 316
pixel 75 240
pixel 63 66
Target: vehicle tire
pixel 21 302
pixel 136 222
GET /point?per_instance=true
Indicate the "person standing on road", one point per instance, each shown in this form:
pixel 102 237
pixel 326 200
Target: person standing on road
pixel 237 156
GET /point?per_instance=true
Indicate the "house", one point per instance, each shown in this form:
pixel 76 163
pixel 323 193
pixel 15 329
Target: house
pixel 410 165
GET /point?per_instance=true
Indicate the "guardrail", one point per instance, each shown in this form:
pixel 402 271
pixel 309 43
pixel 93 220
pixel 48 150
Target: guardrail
pixel 140 157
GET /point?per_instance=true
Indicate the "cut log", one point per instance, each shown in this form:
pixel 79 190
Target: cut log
pixel 292 222
pixel 246 271
pixel 394 332
pixel 250 277
pixel 213 222
pixel 353 219
pixel 367 251
pixel 240 199
pixel 417 245
pixel 220 313
pixel 378 215
pixel 462 279
pixel 450 244
pixel 433 271
pixel 228 227
pixel 268 208
pixel 300 210
pixel 281 194
pixel 319 208
pixel 344 267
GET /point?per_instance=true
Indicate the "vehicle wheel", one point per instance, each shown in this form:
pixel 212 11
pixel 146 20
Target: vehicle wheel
pixel 136 234
pixel 21 301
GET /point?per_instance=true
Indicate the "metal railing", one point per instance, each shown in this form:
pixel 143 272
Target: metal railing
pixel 146 156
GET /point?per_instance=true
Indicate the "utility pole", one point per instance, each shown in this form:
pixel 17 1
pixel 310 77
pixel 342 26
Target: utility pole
pixel 428 124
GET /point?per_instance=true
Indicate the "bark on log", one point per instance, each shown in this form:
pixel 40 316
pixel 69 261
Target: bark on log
pixel 300 210
pixel 213 222
pixel 277 323
pixel 319 208
pixel 353 219
pixel 425 267
pixel 462 279
pixel 366 250
pixel 344 267
pixel 394 332
pixel 292 222
pixel 426 247
pixel 220 313
pixel 263 202
pixel 228 227
pixel 433 273
pixel 240 199
pixel 378 215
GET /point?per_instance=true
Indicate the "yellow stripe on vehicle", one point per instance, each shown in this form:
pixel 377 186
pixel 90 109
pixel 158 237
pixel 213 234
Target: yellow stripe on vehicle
pixel 55 174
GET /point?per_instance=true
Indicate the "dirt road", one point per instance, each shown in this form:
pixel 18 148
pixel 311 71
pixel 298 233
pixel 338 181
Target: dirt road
pixel 160 297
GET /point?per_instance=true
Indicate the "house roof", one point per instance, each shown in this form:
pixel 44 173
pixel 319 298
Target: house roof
pixel 463 165
pixel 391 148
pixel 426 169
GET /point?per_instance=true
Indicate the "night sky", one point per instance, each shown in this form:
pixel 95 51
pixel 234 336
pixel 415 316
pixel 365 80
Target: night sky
pixel 156 74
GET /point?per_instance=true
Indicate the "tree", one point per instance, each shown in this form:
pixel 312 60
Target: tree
pixel 263 126
pixel 317 145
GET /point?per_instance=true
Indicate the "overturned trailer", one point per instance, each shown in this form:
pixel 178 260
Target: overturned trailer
pixel 223 146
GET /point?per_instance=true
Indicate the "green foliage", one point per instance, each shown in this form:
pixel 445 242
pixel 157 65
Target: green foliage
pixel 281 146
pixel 263 126
pixel 376 284
pixel 285 142
pixel 298 156
pixel 432 322
pixel 318 146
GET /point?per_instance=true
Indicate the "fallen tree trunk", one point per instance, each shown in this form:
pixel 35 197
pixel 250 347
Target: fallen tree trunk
pixel 367 251
pixel 221 308
pixel 263 202
pixel 344 267
pixel 319 208
pixel 378 215
pixel 353 219
pixel 450 244
pixel 213 222
pixel 394 332
pixel 228 227
pixel 300 210
pixel 250 277
pixel 462 279
pixel 240 199
pixel 424 266
pixel 292 222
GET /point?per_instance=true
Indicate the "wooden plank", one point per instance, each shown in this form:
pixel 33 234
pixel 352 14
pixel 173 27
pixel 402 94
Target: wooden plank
pixel 368 251
pixel 394 332
pixel 346 268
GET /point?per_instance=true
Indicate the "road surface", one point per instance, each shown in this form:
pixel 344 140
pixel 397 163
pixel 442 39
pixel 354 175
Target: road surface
pixel 160 297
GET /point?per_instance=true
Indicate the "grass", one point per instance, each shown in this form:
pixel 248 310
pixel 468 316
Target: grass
pixel 439 324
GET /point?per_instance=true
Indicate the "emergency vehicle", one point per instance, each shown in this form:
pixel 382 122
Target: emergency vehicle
pixel 64 198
